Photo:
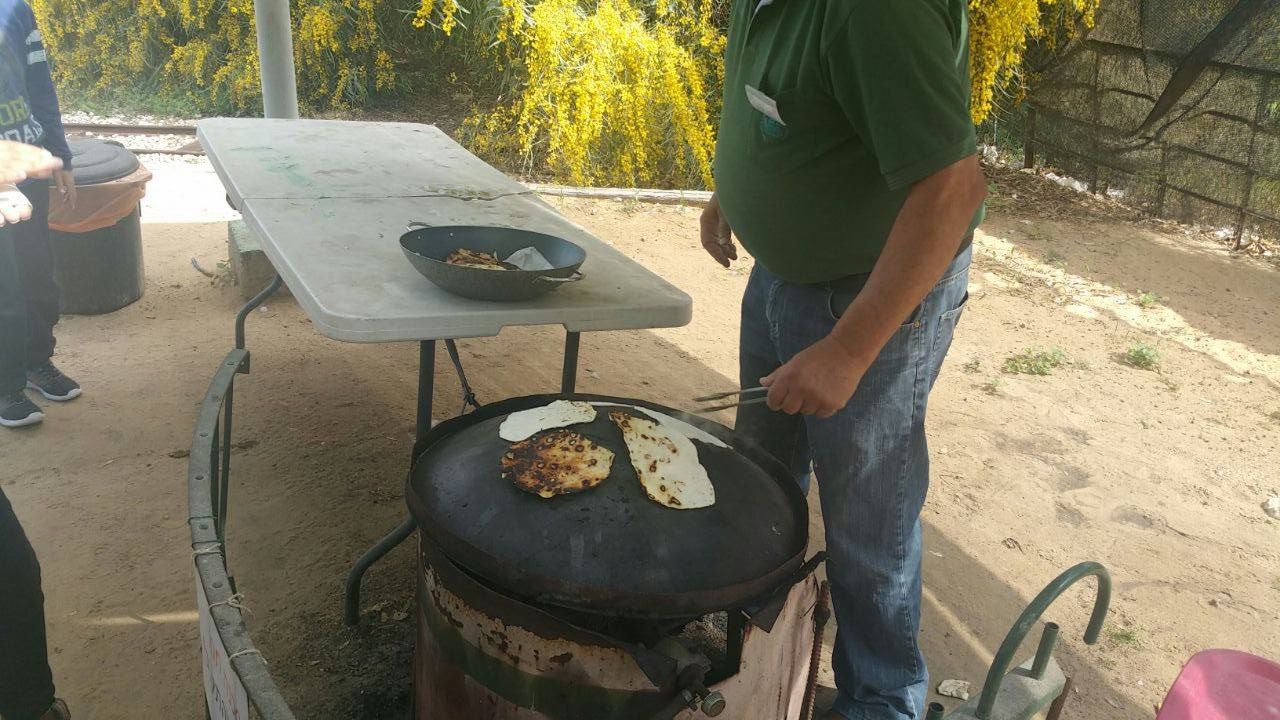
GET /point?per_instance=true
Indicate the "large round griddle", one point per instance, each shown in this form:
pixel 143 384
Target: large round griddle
pixel 608 550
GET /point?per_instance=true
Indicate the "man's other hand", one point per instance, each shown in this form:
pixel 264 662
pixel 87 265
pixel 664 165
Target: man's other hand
pixel 717 236
pixel 19 161
pixel 820 380
pixel 14 206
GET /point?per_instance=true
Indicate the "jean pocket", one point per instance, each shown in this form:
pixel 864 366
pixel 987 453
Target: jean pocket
pixel 947 322
pixel 838 301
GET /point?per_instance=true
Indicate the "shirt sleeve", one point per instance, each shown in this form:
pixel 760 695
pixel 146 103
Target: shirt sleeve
pixel 40 91
pixel 899 71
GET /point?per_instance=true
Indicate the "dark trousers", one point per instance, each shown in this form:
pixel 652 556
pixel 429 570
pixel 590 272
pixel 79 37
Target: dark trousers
pixel 28 293
pixel 26 684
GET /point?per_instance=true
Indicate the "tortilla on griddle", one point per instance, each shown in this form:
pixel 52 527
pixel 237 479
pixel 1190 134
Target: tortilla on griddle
pixel 559 462
pixel 524 424
pixel 666 463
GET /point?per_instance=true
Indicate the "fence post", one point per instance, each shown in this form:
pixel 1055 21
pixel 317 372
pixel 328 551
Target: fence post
pixel 1163 184
pixel 1259 115
pixel 1029 142
pixel 1097 122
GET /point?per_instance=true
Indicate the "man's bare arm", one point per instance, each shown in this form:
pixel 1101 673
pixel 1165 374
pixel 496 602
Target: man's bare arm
pixel 923 242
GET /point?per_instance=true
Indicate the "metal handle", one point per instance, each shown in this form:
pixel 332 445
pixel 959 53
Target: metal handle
pixel 575 277
pixel 1004 656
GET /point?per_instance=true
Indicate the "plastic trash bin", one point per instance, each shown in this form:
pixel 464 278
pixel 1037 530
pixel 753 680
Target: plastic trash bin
pixel 97 245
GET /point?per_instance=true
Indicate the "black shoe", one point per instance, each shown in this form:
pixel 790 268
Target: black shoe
pixel 57 711
pixel 17 410
pixel 52 384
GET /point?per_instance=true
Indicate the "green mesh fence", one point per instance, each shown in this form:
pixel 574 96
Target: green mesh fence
pixel 1177 105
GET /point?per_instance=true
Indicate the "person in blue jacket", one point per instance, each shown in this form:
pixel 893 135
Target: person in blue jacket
pixel 29 296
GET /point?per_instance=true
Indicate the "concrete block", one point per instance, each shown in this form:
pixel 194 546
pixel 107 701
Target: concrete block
pixel 249 265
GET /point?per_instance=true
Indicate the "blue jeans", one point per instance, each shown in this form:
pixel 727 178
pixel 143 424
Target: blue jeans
pixel 871 461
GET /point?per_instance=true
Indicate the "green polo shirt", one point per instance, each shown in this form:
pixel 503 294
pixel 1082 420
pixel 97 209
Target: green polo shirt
pixel 832 109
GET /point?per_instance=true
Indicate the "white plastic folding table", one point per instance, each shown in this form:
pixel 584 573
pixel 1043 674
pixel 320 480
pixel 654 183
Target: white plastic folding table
pixel 329 201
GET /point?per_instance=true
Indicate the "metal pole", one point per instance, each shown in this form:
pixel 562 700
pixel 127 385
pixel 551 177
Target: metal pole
pixel 1047 640
pixel 275 56
pixel 426 386
pixel 569 374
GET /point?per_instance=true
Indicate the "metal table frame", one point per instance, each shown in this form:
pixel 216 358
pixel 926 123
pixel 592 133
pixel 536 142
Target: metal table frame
pixel 426 398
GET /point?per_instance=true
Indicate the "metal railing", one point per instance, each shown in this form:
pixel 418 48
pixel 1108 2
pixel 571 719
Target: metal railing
pixel 208 485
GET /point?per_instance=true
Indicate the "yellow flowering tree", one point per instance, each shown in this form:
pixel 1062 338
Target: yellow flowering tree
pixel 1000 31
pixel 206 51
pixel 610 94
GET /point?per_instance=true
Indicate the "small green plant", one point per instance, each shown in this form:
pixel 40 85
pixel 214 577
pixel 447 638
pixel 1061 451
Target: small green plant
pixel 1055 258
pixel 992 386
pixel 1142 356
pixel 1034 362
pixel 975 365
pixel 1124 636
pixel 1148 300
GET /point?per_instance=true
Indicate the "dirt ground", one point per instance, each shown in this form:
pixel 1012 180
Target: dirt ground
pixel 1159 473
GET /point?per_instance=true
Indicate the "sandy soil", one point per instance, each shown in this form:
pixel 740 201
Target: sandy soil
pixel 1158 474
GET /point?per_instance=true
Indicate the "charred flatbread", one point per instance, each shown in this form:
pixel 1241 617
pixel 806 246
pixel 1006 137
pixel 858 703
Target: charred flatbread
pixel 558 462
pixel 666 463
pixel 524 424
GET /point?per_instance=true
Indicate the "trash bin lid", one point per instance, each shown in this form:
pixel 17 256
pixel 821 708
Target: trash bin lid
pixel 99 161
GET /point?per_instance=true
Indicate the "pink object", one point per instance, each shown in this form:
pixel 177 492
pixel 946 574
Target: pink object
pixel 1224 685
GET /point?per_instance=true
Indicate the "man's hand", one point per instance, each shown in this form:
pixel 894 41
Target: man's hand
pixel 717 236
pixel 66 183
pixel 19 161
pixel 14 206
pixel 820 380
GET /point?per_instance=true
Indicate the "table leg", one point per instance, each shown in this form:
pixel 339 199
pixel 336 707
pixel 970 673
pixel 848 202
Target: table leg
pixel 351 606
pixel 254 302
pixel 426 385
pixel 569 375
pixel 426 393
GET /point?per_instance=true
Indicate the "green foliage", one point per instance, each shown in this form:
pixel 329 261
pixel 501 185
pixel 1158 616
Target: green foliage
pixel 1142 356
pixel 1148 300
pixel 1034 362
pixel 973 366
pixel 1124 636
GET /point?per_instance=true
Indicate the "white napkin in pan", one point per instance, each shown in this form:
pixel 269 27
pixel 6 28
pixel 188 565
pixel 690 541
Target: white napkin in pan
pixel 529 259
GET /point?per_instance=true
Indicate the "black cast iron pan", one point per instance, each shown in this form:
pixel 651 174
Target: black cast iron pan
pixel 609 550
pixel 427 247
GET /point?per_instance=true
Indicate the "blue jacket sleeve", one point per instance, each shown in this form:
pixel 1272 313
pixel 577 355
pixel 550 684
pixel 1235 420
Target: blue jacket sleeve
pixel 40 91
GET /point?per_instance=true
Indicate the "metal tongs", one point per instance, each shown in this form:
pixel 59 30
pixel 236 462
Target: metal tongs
pixel 739 394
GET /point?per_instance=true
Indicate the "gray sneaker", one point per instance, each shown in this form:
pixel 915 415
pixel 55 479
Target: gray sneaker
pixel 52 384
pixel 17 410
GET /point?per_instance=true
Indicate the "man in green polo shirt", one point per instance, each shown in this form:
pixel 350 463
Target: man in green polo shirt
pixel 846 165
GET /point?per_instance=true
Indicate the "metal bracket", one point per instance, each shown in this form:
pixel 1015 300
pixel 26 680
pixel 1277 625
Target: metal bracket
pixel 249 307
